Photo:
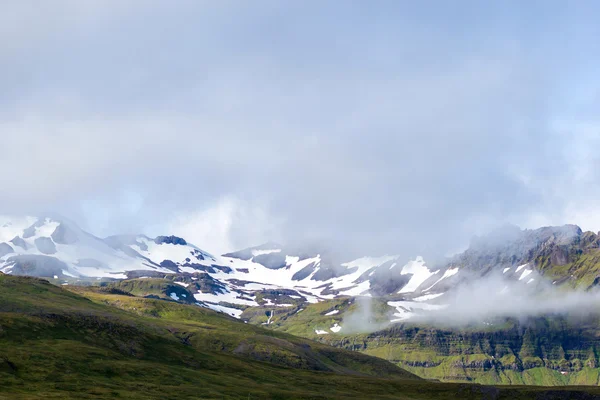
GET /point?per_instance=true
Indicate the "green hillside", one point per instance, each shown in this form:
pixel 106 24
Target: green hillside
pixel 548 351
pixel 88 343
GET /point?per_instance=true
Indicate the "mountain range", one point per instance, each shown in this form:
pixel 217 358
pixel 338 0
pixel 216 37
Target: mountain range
pixel 54 247
pixel 314 295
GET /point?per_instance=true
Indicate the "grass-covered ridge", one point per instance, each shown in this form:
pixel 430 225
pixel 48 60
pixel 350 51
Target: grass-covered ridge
pixel 89 343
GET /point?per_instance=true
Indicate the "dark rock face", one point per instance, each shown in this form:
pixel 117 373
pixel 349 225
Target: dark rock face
pixel 168 264
pixel 29 232
pixel 382 285
pixel 329 268
pixel 304 272
pixel 207 284
pixel 35 265
pixel 170 240
pixel 544 247
pixel 327 272
pixel 45 245
pixel 199 256
pixel 63 235
pixel 240 255
pixel 281 292
pixel 17 241
pixel 183 295
pixel 5 249
pixel 280 296
pixel 385 279
pixel 227 270
pixel 271 260
pixel 140 273
pixel 559 255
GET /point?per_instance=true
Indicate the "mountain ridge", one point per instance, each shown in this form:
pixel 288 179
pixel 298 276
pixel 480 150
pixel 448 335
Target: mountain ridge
pixel 57 248
pixel 311 295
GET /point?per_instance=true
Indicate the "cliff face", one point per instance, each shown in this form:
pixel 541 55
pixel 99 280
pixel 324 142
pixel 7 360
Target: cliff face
pixel 541 351
pixel 564 254
pixel 548 349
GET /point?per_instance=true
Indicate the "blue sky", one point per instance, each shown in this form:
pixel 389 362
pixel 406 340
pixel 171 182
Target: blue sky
pixel 368 127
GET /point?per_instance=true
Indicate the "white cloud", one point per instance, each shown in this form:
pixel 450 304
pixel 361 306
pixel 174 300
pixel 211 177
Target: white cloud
pixel 228 225
pixel 304 123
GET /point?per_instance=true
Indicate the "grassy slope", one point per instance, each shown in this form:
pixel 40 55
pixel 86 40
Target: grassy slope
pixel 581 270
pixel 151 287
pixel 58 344
pixel 465 355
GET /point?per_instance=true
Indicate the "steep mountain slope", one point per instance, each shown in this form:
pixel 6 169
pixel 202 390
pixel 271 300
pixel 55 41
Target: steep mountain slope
pixel 90 343
pixel 318 296
pixel 549 350
pixel 273 275
pixel 536 351
pixel 52 247
pixel 56 248
pixel 564 254
pixel 538 329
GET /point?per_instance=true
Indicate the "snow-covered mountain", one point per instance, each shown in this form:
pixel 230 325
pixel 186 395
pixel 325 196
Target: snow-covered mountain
pixel 57 248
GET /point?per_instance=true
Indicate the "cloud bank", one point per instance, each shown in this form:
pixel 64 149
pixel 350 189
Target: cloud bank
pixel 388 129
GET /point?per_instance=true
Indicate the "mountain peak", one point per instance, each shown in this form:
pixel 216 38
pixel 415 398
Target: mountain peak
pixel 170 240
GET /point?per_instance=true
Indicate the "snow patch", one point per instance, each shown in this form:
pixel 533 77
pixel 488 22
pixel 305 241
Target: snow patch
pixel 234 312
pixel 427 297
pixel 407 309
pixel 420 273
pixel 525 274
pixel 230 296
pixel 449 272
pixel 362 289
pixel 520 267
pixel 261 252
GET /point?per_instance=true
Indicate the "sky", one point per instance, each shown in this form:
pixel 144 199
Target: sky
pixel 384 127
